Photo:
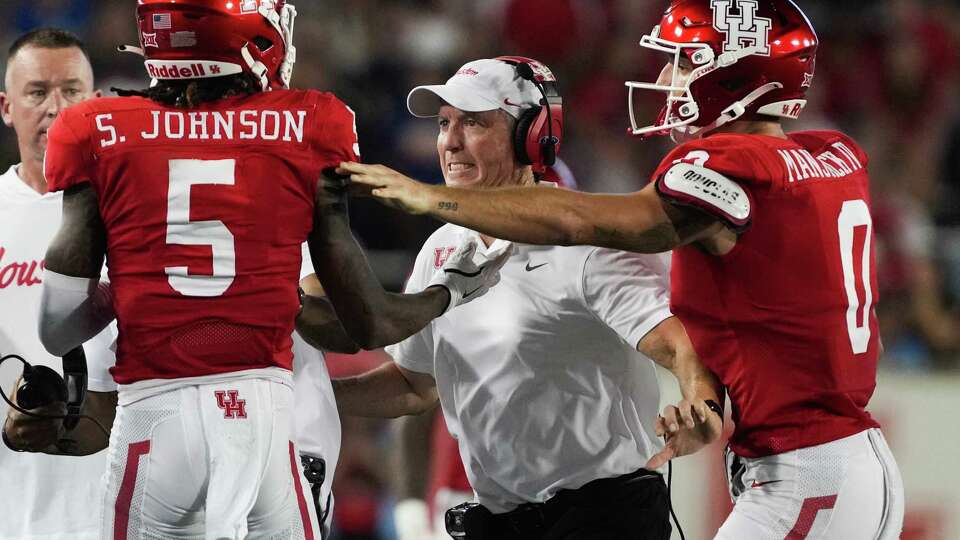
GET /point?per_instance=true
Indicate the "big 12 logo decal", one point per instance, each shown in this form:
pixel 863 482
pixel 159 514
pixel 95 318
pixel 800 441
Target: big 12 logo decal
pixel 744 29
pixel 251 6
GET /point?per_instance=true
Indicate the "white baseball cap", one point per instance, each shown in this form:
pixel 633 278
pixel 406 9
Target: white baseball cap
pixel 481 85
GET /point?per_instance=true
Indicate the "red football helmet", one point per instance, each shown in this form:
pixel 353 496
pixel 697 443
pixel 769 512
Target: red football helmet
pixel 195 39
pixel 745 58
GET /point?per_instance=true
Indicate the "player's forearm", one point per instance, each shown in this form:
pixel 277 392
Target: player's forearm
pixel 319 326
pixel 371 316
pixel 549 216
pixel 380 393
pixel 403 315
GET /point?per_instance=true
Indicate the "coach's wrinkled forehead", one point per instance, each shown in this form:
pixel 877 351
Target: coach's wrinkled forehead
pixel 481 85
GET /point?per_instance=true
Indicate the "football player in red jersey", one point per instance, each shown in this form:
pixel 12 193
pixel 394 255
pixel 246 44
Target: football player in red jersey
pixel 201 191
pixel 773 273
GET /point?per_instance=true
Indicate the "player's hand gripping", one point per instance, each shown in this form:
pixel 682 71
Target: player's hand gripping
pixel 391 187
pixel 467 279
pixel 688 427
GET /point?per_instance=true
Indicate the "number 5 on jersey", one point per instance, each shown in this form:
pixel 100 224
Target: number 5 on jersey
pixel 184 174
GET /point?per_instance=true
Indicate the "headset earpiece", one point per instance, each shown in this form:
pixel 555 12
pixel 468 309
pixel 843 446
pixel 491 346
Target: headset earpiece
pixel 41 386
pixel 521 134
pixel 539 130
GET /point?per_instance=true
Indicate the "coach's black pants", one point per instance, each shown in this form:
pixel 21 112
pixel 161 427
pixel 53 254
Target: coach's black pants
pixel 630 507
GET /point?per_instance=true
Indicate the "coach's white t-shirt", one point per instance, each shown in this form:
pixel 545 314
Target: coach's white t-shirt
pixel 539 379
pixel 43 497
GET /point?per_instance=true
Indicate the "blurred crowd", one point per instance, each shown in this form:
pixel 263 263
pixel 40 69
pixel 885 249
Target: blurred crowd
pixel 887 73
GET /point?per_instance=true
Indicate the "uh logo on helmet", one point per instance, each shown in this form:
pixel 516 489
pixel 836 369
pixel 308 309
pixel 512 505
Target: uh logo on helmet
pixel 195 39
pixel 729 60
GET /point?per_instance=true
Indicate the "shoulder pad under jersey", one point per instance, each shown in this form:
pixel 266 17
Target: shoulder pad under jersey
pixel 708 190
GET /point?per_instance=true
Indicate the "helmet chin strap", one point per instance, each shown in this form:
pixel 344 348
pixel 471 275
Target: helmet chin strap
pixel 731 113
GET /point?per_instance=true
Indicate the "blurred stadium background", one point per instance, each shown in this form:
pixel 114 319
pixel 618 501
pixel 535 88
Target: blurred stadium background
pixel 887 74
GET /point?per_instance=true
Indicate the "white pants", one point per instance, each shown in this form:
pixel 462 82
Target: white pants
pixel 207 462
pixel 848 489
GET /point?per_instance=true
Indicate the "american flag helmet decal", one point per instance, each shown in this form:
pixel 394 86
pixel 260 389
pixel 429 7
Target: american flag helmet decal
pixel 162 21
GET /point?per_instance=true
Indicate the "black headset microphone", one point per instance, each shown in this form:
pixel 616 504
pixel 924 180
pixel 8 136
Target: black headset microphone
pixel 548 144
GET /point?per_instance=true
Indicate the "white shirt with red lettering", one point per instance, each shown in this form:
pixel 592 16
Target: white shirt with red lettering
pixel 539 380
pixel 43 497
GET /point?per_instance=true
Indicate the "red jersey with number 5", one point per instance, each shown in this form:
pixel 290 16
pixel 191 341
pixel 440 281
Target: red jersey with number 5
pixel 786 319
pixel 205 210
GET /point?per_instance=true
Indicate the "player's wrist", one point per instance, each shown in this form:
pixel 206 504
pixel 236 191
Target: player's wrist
pixel 443 294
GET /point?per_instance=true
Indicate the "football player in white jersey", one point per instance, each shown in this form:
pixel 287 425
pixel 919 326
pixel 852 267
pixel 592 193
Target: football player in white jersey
pixel 43 497
pixel 547 381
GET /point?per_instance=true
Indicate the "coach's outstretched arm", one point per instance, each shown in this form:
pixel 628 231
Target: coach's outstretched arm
pixel 75 305
pixel 372 316
pixel 639 221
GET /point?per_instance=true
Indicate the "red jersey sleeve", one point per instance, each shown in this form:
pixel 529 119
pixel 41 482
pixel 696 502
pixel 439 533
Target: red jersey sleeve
pixel 69 161
pixel 336 139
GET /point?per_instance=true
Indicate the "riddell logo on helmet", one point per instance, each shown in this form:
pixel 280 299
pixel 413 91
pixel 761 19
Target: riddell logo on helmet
pixel 185 69
pixel 173 71
pixel 468 71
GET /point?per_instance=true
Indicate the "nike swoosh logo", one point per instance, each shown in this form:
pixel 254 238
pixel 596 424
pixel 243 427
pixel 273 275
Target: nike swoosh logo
pixel 471 292
pixel 532 268
pixel 759 484
pixel 462 273
pixel 506 101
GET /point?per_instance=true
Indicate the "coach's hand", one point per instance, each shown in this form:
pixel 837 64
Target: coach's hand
pixel 31 434
pixel 391 187
pixel 687 427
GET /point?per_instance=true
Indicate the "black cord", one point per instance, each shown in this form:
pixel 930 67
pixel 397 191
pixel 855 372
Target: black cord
pixel 670 499
pixel 37 415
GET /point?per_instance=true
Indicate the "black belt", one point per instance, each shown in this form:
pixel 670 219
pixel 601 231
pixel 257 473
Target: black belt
pixel 534 518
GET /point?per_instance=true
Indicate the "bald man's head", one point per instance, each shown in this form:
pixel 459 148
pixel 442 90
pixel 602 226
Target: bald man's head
pixel 47 71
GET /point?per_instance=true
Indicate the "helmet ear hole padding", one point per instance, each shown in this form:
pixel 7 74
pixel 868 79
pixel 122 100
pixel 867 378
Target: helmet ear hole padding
pixel 521 133
pixel 262 43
